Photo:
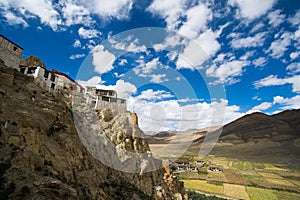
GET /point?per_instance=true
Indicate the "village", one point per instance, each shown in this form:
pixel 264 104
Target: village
pixel 54 81
pixel 195 166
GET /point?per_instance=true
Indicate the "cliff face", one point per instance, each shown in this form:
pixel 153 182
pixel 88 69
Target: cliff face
pixel 43 156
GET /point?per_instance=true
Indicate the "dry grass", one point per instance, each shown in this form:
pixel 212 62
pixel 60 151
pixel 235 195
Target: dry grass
pixel 280 182
pixel 287 195
pixel 260 194
pixel 235 191
pixel 234 176
pixel 297 183
pixel 217 176
pixel 203 186
pixel 270 175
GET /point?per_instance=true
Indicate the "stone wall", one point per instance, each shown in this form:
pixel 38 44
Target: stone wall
pixel 10 53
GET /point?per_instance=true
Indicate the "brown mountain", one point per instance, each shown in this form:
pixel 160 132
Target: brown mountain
pixel 279 127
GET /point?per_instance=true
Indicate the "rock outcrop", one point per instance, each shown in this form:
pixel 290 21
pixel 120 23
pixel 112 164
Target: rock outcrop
pixel 44 157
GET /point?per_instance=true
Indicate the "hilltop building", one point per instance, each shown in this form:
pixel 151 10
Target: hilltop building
pixel 50 79
pixel 102 98
pixel 54 81
pixel 10 52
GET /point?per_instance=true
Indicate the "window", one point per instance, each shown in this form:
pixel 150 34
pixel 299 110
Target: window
pixel 113 100
pixel 31 70
pixel 15 48
pixel 103 92
pixel 52 77
pixel 52 86
pixel 111 93
pixel 46 74
pixel 22 70
pixel 105 99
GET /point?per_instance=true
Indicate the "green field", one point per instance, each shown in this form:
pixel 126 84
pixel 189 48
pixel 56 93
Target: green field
pixel 244 180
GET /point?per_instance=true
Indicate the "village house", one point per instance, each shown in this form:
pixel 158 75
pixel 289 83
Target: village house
pixel 201 162
pixel 10 53
pixel 214 169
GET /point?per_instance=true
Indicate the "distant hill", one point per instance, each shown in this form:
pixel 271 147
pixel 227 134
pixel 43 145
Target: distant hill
pixel 278 127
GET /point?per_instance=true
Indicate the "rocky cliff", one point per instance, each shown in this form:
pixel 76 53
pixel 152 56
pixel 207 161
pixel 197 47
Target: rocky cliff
pixel 45 156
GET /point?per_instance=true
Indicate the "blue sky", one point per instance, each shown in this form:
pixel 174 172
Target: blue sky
pixel 202 63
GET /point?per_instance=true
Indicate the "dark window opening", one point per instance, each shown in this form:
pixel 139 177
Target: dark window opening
pixel 52 77
pixel 113 100
pixel 31 70
pixel 52 86
pixel 105 99
pixel 22 70
pixel 103 92
pixel 15 48
pixel 111 93
pixel 46 74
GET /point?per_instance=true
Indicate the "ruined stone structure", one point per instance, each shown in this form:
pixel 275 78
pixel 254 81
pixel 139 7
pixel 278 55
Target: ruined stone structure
pixel 10 52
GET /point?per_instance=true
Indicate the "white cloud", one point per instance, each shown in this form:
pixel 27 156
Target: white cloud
pixel 199 50
pixel 293 68
pixel 295 20
pixel 123 62
pixel 106 9
pixel 255 41
pixel 158 78
pixel 102 59
pixel 228 71
pixel 280 46
pixel 77 44
pixel 171 10
pixel 169 115
pixel 88 33
pixel 257 98
pixel 273 80
pixel 75 14
pixel 257 27
pixel 42 9
pixel 260 62
pixel 260 107
pixel 12 19
pixel 76 56
pixel 94 81
pixel 252 9
pixel 287 103
pixel 151 95
pixel 124 89
pixel 275 18
pixel 152 69
pixel 197 18
pixel 128 45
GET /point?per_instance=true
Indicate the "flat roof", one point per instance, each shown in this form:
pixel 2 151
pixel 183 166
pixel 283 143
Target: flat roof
pixel 11 41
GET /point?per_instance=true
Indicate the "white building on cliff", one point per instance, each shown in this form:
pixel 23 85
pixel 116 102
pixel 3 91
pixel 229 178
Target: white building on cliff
pixel 100 98
pixel 51 79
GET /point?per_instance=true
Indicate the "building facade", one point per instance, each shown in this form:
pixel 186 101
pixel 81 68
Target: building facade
pixel 50 79
pixel 10 52
pixel 102 98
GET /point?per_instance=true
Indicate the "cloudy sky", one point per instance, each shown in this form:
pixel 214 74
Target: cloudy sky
pixel 180 64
